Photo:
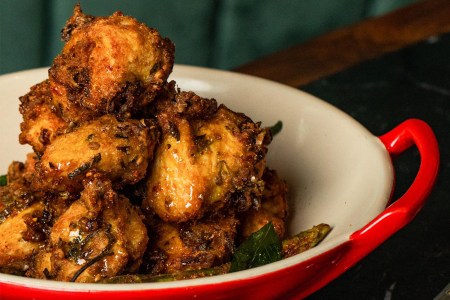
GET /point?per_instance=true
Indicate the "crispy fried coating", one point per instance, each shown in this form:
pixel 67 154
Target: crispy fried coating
pixel 109 65
pixel 26 217
pixel 193 246
pixel 22 224
pixel 99 236
pixel 41 121
pixel 17 194
pixel 20 237
pixel 107 123
pixel 121 150
pixel 273 208
pixel 209 158
pixel 22 172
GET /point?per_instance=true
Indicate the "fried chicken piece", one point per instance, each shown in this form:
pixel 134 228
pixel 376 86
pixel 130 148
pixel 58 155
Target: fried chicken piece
pixel 41 122
pixel 121 150
pixel 109 65
pixel 20 237
pixel 22 219
pixel 273 207
pixel 26 217
pixel 99 236
pixel 17 195
pixel 209 158
pixel 22 172
pixel 194 246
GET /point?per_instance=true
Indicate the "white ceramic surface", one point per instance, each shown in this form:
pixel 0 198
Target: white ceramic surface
pixel 338 172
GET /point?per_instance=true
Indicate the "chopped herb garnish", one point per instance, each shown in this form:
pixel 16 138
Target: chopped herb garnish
pixel 85 166
pixel 90 137
pixel 121 135
pixel 124 149
pixel 174 132
pixel 275 129
pixel 105 252
pixel 3 180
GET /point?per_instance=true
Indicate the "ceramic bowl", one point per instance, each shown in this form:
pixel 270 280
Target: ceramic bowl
pixel 338 173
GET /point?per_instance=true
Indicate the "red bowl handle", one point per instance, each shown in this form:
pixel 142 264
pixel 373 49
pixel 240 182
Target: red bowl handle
pixel 395 216
pixel 401 212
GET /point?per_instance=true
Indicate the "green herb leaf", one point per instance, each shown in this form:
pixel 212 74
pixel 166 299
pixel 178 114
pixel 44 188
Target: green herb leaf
pixel 261 248
pixel 275 129
pixel 3 180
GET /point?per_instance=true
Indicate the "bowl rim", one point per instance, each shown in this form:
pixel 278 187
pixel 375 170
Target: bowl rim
pixel 180 70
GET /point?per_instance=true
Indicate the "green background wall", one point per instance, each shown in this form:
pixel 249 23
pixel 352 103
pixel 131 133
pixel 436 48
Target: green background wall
pixel 214 33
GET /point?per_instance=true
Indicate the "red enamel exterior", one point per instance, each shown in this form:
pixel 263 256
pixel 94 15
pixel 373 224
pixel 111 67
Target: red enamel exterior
pixel 300 280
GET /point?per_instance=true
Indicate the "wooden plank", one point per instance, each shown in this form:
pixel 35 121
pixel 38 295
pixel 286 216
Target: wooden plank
pixel 340 49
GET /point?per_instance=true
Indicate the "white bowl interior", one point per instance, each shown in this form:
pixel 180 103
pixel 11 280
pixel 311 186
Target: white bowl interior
pixel 338 172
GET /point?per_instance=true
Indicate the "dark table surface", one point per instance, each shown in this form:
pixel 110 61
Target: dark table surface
pixel 411 83
pixel 380 91
pixel 339 49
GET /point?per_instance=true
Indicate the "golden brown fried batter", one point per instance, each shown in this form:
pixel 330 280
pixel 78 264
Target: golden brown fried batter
pixel 22 172
pixel 108 124
pixel 22 224
pixel 109 65
pixel 121 150
pixel 41 122
pixel 99 236
pixel 208 159
pixel 273 207
pixel 204 244
pixel 17 194
pixel 20 237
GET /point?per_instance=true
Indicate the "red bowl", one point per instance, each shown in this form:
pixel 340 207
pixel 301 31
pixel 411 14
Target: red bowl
pixel 337 171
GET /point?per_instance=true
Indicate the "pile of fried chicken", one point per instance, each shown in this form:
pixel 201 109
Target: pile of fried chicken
pixel 129 174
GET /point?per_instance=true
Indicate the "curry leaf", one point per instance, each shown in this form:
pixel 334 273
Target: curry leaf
pixel 275 129
pixel 261 248
pixel 3 180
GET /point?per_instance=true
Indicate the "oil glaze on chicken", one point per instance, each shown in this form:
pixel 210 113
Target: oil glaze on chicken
pixel 130 174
